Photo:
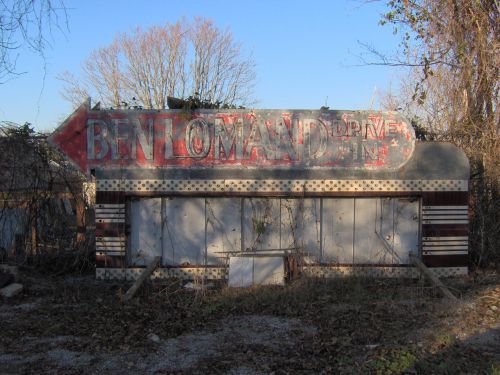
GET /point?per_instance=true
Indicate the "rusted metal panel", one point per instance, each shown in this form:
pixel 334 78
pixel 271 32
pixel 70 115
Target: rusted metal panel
pixel 110 197
pixel 292 138
pixel 223 226
pixel 448 172
pixel 461 260
pixel 449 198
pixel 430 230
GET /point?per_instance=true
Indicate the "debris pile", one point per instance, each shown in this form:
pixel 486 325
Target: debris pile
pixel 8 285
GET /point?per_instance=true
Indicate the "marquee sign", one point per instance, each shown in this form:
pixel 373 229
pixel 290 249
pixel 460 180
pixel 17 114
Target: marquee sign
pixel 235 138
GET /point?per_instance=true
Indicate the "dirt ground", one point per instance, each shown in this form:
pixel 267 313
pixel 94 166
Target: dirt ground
pixel 77 325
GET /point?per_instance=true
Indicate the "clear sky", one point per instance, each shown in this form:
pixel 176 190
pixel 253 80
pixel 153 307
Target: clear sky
pixel 306 51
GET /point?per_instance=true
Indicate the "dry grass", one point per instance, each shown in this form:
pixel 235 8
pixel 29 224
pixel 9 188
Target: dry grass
pixel 355 324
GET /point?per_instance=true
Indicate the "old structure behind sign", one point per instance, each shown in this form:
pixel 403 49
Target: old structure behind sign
pixel 339 192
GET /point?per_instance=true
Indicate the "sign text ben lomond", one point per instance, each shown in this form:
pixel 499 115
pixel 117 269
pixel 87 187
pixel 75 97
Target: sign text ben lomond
pixel 259 138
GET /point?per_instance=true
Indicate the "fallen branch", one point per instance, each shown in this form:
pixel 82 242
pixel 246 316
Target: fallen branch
pixel 143 276
pixel 432 277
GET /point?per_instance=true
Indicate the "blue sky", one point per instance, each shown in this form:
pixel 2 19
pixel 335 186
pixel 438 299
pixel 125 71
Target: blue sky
pixel 306 51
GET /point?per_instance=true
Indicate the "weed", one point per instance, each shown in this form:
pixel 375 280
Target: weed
pixel 393 361
pixel 443 340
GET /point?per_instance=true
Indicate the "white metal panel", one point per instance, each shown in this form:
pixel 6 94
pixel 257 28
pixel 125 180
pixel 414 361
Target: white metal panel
pixel 368 248
pixel 290 224
pixel 223 217
pixel 261 223
pixel 145 234
pixel 385 230
pixel 268 271
pixel 338 230
pixel 310 227
pixel 406 227
pixel 184 231
pixel 247 271
pixel 240 272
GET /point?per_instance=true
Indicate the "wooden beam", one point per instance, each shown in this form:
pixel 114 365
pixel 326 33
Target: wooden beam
pixel 143 276
pixel 432 277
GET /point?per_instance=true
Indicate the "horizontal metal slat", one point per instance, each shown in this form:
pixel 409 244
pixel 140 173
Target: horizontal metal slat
pixel 445 222
pixel 426 217
pixel 458 247
pixel 457 252
pixel 445 212
pixel 444 243
pixel 110 220
pixel 110 210
pixel 104 216
pixel 111 253
pixel 111 239
pixel 104 247
pixel 444 208
pixel 447 238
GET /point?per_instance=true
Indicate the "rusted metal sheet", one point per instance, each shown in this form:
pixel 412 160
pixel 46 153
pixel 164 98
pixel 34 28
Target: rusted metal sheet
pixel 299 139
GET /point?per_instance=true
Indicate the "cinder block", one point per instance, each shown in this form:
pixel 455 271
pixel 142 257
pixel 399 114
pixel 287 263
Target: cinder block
pixel 11 290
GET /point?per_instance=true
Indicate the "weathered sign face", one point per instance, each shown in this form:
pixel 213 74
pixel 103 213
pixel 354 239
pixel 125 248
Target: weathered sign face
pixel 235 138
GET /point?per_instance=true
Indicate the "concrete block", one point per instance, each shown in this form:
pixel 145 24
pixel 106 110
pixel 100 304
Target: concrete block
pixel 11 290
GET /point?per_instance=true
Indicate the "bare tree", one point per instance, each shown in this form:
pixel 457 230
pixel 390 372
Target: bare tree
pixel 73 90
pixel 453 48
pixel 103 69
pixel 155 63
pixel 218 74
pixel 183 60
pixel 26 23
